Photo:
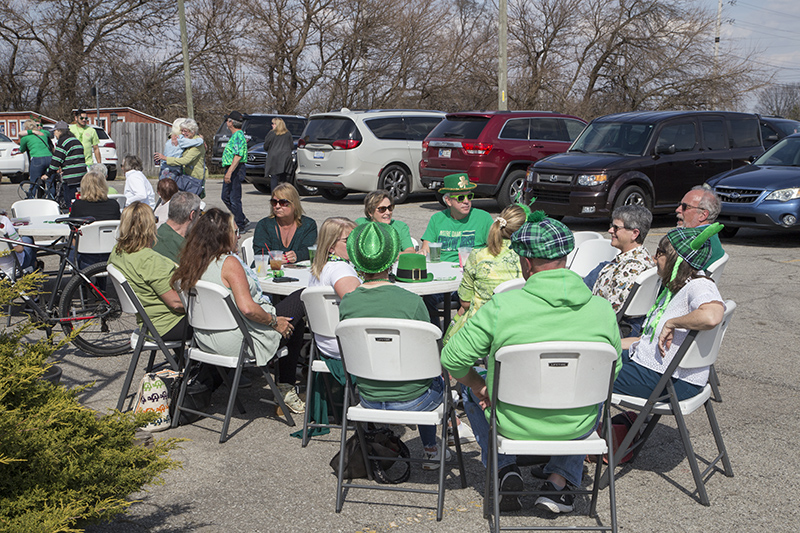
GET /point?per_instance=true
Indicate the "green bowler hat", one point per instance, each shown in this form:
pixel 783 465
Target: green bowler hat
pixel 373 247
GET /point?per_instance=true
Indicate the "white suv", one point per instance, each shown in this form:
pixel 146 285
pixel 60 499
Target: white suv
pixel 363 151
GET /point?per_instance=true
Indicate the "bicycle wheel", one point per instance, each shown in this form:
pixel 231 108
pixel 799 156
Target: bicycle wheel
pixel 24 190
pixel 92 305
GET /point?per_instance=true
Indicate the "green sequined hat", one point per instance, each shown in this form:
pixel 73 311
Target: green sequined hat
pixel 373 247
pixel 455 183
pixel 542 237
pixel 693 245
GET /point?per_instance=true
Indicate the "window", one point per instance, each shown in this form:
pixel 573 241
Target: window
pixel 574 128
pixel 329 129
pixel 682 136
pixel 744 133
pixel 418 128
pixel 460 127
pixel 515 129
pixel 390 128
pixel 547 129
pixel 714 137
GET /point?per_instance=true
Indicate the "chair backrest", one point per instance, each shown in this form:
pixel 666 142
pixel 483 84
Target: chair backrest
pixel 246 251
pixel 126 298
pixel 590 254
pixel 98 237
pixel 34 207
pixel 389 349
pixel 210 307
pixel 642 295
pixel 554 375
pixel 322 309
pixel 704 349
pixel 580 238
pixel 120 198
pixel 510 285
pixel 716 268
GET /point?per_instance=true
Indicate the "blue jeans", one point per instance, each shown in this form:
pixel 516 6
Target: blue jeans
pixel 38 167
pixel 232 195
pixel 568 466
pixel 635 380
pixel 428 401
pixel 26 258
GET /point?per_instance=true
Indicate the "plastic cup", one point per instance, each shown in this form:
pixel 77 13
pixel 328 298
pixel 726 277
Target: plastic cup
pixel 276 259
pixel 312 251
pixel 463 253
pixel 262 265
pixel 435 251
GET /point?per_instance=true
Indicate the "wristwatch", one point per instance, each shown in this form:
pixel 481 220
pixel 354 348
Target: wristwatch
pixel 273 322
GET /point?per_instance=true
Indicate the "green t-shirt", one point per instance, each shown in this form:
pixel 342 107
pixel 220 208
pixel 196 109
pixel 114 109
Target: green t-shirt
pixel 386 301
pixel 149 273
pixel 169 242
pixel 400 227
pixel 88 138
pixel 35 145
pixel 471 231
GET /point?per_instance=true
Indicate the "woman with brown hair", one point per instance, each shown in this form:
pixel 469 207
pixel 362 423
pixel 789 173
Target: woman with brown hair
pixel 278 145
pixel 379 207
pixel 208 255
pixel 286 228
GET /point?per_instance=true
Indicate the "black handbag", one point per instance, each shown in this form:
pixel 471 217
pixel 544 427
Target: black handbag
pixel 380 442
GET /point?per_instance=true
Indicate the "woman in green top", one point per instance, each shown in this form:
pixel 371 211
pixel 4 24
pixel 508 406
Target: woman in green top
pixel 378 207
pixel 486 268
pixel 37 145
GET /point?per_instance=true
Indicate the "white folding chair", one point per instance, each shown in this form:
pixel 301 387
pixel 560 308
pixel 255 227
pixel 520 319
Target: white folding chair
pixel 246 251
pixel 35 207
pixel 210 307
pixel 98 237
pixel 642 295
pixel 415 242
pixel 716 268
pixel 699 349
pixel 557 376
pixel 143 338
pixel 590 254
pixel 385 349
pixel 580 238
pixel 510 285
pixel 120 198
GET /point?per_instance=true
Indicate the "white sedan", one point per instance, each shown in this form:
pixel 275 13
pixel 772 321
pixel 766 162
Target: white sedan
pixel 13 163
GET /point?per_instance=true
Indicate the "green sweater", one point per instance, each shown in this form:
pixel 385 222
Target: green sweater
pixel 554 305
pixel 35 145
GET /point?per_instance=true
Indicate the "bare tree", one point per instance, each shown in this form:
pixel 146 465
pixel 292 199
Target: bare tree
pixel 780 100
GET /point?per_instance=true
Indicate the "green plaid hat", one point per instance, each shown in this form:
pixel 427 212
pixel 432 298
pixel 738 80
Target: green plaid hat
pixel 542 237
pixel 373 247
pixel 693 245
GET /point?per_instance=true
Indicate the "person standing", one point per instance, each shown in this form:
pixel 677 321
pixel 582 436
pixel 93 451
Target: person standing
pixel 278 145
pixel 233 158
pixel 69 159
pixel 37 145
pixel 87 135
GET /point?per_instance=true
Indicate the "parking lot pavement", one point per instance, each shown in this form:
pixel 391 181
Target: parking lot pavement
pixel 262 480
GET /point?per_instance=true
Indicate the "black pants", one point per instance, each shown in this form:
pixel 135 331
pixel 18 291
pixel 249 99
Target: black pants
pixel 291 306
pixel 180 331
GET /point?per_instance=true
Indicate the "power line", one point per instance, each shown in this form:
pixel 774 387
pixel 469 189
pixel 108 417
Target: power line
pixel 781 13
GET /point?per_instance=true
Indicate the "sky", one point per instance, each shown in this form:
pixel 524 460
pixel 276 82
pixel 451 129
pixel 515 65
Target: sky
pixel 767 26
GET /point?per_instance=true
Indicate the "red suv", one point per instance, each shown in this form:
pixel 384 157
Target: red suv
pixel 494 148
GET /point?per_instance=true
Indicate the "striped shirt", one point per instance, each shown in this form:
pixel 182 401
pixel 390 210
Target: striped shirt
pixel 70 159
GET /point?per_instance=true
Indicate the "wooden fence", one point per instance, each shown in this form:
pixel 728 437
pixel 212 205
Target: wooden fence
pixel 139 139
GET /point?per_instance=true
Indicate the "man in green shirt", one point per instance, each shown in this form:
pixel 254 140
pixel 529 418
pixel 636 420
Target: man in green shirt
pixel 184 208
pixel 87 135
pixel 233 159
pixel 554 305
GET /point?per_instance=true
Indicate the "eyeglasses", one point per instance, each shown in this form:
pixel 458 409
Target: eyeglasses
pixel 463 197
pixel 283 202
pixel 685 206
pixel 617 228
pixel 83 118
pixel 659 253
pixel 383 208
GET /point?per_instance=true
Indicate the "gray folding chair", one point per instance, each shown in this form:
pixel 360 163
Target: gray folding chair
pixel 699 349
pixel 557 376
pixel 642 295
pixel 716 268
pixel 581 237
pixel 385 349
pixel 210 307
pixel 590 254
pixel 143 338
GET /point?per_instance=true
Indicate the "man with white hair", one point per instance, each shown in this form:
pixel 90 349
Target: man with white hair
pixel 184 208
pixel 699 208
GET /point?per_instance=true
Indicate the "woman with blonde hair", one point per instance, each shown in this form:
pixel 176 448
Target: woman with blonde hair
pixel 286 228
pixel 486 268
pixel 278 145
pixel 94 202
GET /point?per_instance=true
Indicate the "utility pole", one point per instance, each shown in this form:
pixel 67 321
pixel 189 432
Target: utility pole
pixel 186 71
pixel 502 67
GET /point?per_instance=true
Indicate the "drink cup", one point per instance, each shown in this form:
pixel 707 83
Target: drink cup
pixel 463 253
pixel 435 251
pixel 312 251
pixel 276 259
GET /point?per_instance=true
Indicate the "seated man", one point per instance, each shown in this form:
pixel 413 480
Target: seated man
pixel 184 208
pixel 26 255
pixel 699 208
pixel 554 305
pixel 372 248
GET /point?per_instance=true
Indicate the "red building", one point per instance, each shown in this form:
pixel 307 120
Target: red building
pixel 11 121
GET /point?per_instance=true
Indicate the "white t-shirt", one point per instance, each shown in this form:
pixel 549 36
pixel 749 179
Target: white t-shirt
pixel 331 273
pixel 645 351
pixel 138 189
pixel 8 231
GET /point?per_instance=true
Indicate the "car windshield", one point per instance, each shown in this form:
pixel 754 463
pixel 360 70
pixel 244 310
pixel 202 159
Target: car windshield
pixel 785 153
pixel 328 129
pixel 788 127
pixel 622 138
pixel 459 127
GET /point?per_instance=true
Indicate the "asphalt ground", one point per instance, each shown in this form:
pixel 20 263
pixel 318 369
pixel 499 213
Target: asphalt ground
pixel 262 480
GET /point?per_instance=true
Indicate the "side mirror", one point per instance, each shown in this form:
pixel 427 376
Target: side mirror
pixel 665 149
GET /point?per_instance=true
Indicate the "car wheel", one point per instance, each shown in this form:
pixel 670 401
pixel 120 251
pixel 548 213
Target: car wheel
pixel 112 174
pixel 333 194
pixel 633 195
pixel 303 190
pixel 17 178
pixel 513 186
pixel 728 232
pixel 396 181
pixel 262 187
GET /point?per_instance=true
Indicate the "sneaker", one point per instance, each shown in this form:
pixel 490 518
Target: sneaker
pixel 465 435
pixel 510 480
pixel 290 397
pixel 561 503
pixel 537 471
pixel 432 454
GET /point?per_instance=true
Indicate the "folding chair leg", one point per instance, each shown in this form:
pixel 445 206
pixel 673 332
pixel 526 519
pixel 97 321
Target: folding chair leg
pixel 442 458
pixel 688 448
pixel 309 395
pixel 457 440
pixel 151 361
pixel 227 381
pixel 340 476
pixel 712 418
pixel 231 401
pixel 126 386
pixel 278 398
pixel 182 393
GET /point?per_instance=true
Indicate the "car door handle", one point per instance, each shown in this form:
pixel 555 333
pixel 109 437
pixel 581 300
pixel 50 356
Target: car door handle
pixel 538 146
pixel 700 162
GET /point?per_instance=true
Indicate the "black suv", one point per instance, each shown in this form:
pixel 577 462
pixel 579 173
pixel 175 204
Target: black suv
pixel 648 158
pixel 774 128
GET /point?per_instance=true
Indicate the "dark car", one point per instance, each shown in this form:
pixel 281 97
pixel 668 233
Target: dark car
pixel 494 148
pixel 764 195
pixel 648 158
pixel 774 128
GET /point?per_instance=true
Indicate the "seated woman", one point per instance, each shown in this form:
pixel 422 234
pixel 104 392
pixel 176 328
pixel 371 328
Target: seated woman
pixel 286 228
pixel 94 202
pixel 331 268
pixel 379 207
pixel 208 255
pixel 373 247
pixel 137 186
pixel 486 268
pixel 165 189
pixel 690 300
pixel 148 272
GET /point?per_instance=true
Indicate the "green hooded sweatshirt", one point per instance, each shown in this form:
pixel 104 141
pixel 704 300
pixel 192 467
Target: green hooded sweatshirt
pixel 554 305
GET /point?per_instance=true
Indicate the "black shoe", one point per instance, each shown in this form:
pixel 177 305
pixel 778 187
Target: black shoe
pixel 537 471
pixel 555 503
pixel 510 480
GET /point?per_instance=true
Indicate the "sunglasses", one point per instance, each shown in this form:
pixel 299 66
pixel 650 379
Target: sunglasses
pixel 283 202
pixel 616 228
pixel 463 197
pixel 383 208
pixel 83 118
pixel 685 206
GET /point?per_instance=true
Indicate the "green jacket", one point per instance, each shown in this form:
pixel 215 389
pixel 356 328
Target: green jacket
pixel 554 305
pixel 192 161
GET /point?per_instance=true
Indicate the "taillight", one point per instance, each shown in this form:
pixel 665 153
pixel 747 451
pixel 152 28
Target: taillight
pixel 301 143
pixel 425 145
pixel 15 151
pixel 110 145
pixel 345 144
pixel 477 148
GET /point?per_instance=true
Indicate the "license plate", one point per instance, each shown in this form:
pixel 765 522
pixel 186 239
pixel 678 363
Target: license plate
pixel 319 155
pixel 444 152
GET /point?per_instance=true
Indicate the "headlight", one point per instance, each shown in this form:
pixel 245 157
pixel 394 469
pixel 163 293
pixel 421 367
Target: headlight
pixel 590 180
pixel 784 195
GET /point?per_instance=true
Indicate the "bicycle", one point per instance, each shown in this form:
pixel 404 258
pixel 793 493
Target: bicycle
pixel 88 300
pixel 41 189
